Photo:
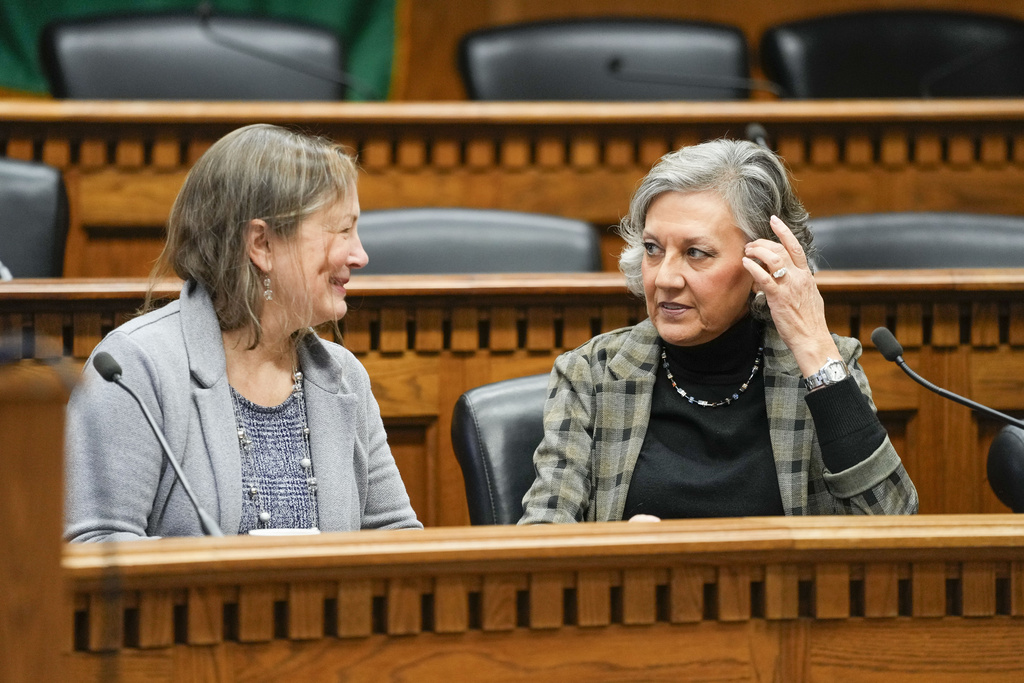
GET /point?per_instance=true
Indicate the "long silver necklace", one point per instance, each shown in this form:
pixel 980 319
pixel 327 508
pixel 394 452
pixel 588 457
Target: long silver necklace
pixel 305 459
pixel 712 404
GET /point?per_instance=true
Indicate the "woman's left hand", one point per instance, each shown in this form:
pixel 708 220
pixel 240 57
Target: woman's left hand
pixel 798 310
pixel 644 518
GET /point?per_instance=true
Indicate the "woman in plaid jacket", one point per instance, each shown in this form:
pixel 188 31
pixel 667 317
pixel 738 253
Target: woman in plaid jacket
pixel 732 398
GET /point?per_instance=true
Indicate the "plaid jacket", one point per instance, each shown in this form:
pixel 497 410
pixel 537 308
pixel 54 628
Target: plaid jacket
pixel 595 420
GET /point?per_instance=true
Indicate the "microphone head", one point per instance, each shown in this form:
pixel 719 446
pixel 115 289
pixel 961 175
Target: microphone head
pixel 204 10
pixel 755 132
pixel 1006 467
pixel 106 366
pixel 886 343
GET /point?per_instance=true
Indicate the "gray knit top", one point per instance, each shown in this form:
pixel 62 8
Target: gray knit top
pixel 273 480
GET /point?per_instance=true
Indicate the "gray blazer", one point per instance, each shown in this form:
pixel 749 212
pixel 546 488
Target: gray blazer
pixel 119 486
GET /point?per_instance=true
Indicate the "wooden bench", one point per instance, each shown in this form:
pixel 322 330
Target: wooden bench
pixel 937 598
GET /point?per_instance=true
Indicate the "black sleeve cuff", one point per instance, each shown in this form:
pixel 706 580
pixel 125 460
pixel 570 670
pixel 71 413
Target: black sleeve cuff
pixel 848 430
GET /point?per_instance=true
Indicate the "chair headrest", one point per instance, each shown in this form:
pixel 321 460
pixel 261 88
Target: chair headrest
pixel 495 430
pixel 605 59
pixel 903 53
pixel 457 240
pixel 33 219
pixel 912 239
pixel 187 56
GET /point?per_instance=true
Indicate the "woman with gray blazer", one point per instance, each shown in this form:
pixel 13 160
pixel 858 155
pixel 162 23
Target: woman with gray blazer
pixel 274 427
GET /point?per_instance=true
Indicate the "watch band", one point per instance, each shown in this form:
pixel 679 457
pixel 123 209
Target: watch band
pixel 832 372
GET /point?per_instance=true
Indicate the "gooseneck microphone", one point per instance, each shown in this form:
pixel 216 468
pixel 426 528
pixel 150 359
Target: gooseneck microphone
pixel 892 351
pixel 1005 465
pixel 110 370
pixel 618 69
pixel 757 134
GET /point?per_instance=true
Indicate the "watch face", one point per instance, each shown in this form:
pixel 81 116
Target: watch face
pixel 835 372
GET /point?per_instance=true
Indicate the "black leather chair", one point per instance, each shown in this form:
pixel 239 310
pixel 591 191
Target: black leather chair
pixel 457 240
pixel 918 240
pixel 897 54
pixel 495 430
pixel 606 59
pixel 33 219
pixel 1005 467
pixel 191 57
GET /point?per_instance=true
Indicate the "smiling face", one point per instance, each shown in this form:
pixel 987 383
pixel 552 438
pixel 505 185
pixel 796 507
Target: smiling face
pixel 312 268
pixel 694 280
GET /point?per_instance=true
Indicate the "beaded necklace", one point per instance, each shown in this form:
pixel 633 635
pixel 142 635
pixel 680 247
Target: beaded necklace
pixel 305 459
pixel 711 404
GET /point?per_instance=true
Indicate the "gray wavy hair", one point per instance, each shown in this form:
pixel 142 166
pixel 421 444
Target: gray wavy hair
pixel 259 171
pixel 751 179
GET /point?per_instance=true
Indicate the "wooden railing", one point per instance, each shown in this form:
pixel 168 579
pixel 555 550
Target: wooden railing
pixel 124 162
pixel 426 340
pixel 937 598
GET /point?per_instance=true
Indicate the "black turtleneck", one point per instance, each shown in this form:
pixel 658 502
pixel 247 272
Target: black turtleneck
pixel 717 462
pixel 708 462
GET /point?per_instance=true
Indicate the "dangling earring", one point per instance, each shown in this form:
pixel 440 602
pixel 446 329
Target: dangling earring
pixel 268 293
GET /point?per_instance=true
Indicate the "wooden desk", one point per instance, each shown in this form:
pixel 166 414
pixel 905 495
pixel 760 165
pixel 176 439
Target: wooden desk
pixel 424 341
pixel 125 161
pixel 930 598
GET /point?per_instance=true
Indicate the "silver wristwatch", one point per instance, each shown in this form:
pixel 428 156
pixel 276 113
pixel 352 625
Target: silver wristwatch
pixel 832 372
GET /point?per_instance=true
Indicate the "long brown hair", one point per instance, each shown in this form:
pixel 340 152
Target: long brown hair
pixel 257 172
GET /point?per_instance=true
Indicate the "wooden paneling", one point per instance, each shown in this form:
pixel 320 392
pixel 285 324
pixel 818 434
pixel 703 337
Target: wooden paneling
pixel 124 162
pixel 33 605
pixel 471 330
pixel 601 602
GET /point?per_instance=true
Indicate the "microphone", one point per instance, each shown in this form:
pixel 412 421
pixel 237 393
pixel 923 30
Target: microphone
pixel 892 351
pixel 110 370
pixel 757 133
pixel 617 70
pixel 346 80
pixel 107 367
pixel 1006 467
